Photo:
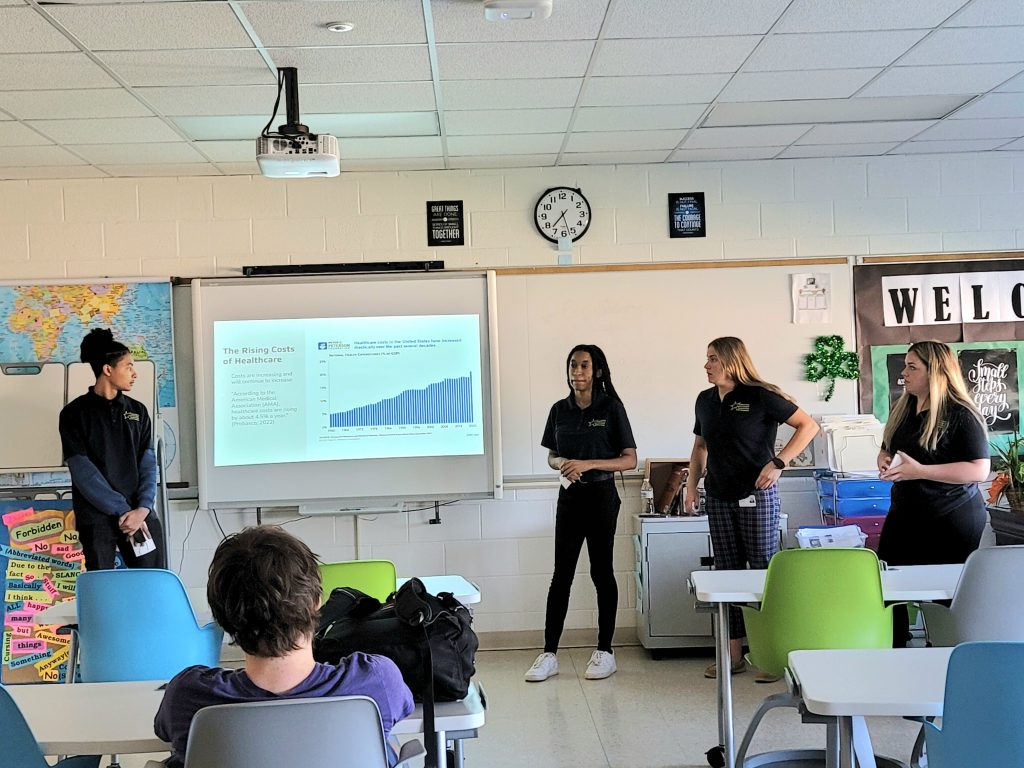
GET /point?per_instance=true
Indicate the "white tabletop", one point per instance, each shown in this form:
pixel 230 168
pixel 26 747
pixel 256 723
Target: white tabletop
pixel 892 682
pixel 906 582
pixel 117 718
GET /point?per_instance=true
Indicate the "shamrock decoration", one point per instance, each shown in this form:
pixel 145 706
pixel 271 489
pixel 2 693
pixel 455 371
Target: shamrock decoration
pixel 829 361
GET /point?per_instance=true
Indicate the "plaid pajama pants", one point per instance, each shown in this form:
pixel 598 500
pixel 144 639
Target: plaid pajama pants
pixel 742 536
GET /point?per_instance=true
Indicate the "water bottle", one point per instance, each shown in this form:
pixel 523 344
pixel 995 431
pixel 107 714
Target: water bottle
pixel 646 498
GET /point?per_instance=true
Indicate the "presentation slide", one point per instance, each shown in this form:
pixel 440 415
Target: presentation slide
pixel 324 389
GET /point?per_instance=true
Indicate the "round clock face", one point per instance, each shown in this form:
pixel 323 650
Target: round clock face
pixel 562 212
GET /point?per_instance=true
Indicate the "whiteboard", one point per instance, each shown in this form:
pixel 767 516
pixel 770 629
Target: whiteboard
pixel 654 327
pixel 31 396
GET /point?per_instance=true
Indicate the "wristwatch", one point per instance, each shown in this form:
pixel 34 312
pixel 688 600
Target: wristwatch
pixel 779 463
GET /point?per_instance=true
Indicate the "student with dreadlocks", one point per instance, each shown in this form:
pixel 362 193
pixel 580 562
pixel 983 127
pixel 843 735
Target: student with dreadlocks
pixel 588 438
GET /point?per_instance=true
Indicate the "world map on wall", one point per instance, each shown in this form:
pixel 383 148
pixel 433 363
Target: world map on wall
pixel 46 323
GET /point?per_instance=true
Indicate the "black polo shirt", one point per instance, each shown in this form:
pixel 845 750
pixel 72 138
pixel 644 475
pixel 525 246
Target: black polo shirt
pixel 740 432
pixel 962 438
pixel 113 435
pixel 599 431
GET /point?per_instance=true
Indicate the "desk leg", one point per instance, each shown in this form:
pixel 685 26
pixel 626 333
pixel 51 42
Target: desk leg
pixel 846 742
pixel 460 757
pixel 442 749
pixel 724 662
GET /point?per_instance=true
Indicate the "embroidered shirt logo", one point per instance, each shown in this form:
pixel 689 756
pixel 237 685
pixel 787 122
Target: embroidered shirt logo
pixel 597 422
pixel 740 407
pixel 129 416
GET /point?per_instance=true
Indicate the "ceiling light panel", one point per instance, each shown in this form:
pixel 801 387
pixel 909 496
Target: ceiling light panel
pixel 510 94
pixel 833 50
pixel 833 110
pixel 302 23
pixel 498 61
pixel 964 78
pixel 22 30
pixel 455 21
pixel 46 71
pixel 58 105
pixel 652 90
pixel 377 63
pixel 206 67
pixel 980 45
pixel 637 118
pixel 864 15
pixel 500 121
pixel 673 56
pixel 813 84
pixel 662 18
pixel 152 26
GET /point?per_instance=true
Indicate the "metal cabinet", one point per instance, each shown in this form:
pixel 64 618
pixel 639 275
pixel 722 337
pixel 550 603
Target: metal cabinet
pixel 668 549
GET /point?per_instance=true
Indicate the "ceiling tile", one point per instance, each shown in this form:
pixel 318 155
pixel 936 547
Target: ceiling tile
pixel 724 153
pixel 356 65
pixel 856 110
pixel 812 84
pixel 990 13
pixel 652 89
pixel 26 156
pixel 107 130
pixel 52 172
pixel 950 130
pixel 665 18
pixel 394 164
pixel 304 23
pixel 57 105
pixel 865 133
pixel 1014 85
pixel 207 128
pixel 456 21
pixel 155 169
pixel 212 99
pixel 978 45
pixel 992 105
pixel 1016 145
pixel 623 141
pixel 43 71
pixel 831 50
pixel 613 158
pixel 672 56
pixel 137 154
pixel 18 135
pixel 208 67
pixel 754 136
pixel 22 30
pixel 228 151
pixel 929 147
pixel 417 146
pixel 510 94
pixel 368 97
pixel 503 161
pixel 240 169
pixel 524 144
pixel 844 16
pixel 499 121
pixel 837 150
pixel 497 61
pixel 637 118
pixel 964 78
pixel 152 26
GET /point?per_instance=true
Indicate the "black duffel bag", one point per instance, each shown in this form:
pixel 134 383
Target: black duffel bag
pixel 352 621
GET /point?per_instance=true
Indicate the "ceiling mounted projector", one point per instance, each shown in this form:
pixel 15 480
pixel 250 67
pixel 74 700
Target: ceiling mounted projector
pixel 516 10
pixel 292 152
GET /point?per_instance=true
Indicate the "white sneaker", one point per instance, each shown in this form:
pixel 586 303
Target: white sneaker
pixel 544 667
pixel 601 665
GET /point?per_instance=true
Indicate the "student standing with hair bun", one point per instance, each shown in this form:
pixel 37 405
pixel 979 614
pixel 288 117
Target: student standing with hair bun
pixel 588 438
pixel 107 438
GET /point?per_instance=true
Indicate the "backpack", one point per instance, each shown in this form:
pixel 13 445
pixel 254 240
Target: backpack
pixel 352 621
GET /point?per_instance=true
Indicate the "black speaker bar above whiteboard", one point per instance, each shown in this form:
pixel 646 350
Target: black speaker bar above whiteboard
pixel 267 270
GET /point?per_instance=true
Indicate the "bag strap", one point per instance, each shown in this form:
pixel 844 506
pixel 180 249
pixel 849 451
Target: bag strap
pixel 433 759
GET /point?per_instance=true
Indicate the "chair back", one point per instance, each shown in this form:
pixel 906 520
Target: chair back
pixel 138 624
pixel 983 708
pixel 340 732
pixel 20 749
pixel 818 599
pixel 376 578
pixel 989 600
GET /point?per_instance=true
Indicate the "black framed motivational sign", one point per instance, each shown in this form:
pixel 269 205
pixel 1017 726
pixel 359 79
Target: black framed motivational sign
pixel 686 214
pixel 445 223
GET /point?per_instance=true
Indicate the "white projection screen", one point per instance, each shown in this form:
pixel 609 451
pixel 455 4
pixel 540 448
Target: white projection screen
pixel 354 391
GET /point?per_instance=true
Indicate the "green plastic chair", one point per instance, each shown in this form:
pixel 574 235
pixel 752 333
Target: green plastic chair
pixel 813 599
pixel 376 578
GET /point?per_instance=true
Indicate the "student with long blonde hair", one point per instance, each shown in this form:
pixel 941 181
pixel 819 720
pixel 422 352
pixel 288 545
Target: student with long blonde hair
pixel 935 450
pixel 737 420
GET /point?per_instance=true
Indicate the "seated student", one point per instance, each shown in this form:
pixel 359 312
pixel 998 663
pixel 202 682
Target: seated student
pixel 264 590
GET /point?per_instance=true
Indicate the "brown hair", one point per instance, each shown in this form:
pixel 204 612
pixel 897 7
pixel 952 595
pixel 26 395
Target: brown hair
pixel 738 366
pixel 264 589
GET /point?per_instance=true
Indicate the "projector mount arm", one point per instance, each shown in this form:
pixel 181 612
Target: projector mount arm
pixel 288 81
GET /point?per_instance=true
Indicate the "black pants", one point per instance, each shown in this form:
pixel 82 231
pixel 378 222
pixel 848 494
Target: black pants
pixel 917 537
pixel 585 512
pixel 100 536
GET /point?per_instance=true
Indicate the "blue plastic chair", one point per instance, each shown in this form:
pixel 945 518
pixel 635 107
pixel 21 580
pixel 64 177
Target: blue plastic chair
pixel 20 749
pixel 138 624
pixel 983 708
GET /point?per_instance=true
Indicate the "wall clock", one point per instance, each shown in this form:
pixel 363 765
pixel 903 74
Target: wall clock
pixel 562 212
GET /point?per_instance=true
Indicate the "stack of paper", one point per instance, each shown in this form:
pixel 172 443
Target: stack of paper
pixel 848 443
pixel 834 536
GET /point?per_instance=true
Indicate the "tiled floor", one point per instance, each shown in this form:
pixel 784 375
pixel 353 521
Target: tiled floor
pixel 649 715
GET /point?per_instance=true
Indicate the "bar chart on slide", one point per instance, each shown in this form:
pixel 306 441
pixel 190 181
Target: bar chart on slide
pixel 449 401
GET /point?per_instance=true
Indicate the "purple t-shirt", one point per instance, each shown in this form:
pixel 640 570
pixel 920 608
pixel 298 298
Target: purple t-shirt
pixel 360 674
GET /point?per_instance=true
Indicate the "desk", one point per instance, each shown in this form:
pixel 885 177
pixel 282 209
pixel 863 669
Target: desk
pixel 847 684
pixel 911 582
pixel 117 718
